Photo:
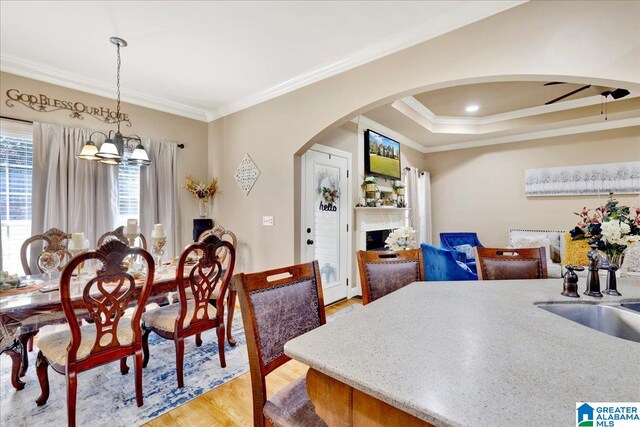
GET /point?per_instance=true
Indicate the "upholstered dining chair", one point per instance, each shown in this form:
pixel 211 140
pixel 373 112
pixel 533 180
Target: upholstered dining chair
pixel 198 311
pixel 111 336
pixel 441 265
pixel 52 240
pixel 511 263
pixel 384 272
pixel 276 309
pixel 118 234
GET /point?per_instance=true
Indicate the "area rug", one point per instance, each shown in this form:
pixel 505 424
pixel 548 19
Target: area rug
pixel 105 397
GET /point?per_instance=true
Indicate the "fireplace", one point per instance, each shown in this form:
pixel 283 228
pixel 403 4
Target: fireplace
pixel 376 239
pixel 372 226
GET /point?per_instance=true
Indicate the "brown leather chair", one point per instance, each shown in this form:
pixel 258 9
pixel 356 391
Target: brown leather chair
pixel 384 272
pixel 111 337
pixel 118 234
pixel 273 312
pixel 511 263
pixel 198 311
pixel 53 240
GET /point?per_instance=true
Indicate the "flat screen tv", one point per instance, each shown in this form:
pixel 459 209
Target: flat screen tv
pixel 382 155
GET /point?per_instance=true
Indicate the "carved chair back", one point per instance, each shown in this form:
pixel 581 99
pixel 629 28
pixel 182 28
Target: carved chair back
pixel 106 297
pixel 384 272
pixel 222 234
pixel 118 233
pixel 52 240
pixel 511 264
pixel 205 281
pixel 276 309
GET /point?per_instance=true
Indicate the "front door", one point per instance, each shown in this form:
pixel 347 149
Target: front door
pixel 325 230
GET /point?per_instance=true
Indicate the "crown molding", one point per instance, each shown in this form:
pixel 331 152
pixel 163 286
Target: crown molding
pixel 72 81
pixel 434 119
pixel 571 130
pixel 366 123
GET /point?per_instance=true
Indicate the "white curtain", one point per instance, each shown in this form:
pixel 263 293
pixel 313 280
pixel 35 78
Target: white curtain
pixel 159 195
pixel 70 194
pixel 419 203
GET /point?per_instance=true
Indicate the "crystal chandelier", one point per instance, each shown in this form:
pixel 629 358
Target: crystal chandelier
pixel 112 149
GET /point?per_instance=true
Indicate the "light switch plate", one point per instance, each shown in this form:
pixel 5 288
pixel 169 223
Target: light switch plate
pixel 267 220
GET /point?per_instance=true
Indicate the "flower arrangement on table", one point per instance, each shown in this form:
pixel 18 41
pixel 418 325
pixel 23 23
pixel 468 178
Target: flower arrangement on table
pixel 401 239
pixel 202 191
pixel 610 228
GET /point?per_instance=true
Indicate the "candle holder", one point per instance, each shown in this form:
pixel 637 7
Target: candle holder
pixel 75 248
pixel 158 252
pixel 131 236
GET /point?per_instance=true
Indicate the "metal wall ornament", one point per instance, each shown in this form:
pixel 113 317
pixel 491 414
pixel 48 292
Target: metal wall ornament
pixel 44 104
pixel 616 178
pixel 247 174
pixel 112 150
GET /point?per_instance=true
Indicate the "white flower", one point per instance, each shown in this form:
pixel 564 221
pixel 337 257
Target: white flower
pixel 614 232
pixel 401 239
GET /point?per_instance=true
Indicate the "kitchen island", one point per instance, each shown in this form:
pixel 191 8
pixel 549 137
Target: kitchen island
pixel 476 353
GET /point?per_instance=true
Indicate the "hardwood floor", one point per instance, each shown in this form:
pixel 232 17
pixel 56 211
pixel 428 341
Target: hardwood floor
pixel 230 404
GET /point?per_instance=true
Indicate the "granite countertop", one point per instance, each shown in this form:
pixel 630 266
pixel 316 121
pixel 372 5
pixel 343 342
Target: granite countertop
pixel 477 353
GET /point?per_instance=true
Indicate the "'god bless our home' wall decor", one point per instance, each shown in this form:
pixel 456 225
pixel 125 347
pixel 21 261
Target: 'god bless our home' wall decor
pixel 45 104
pixel 617 178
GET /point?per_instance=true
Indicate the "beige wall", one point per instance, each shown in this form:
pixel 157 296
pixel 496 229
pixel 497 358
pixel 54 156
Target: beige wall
pixel 144 122
pixel 482 189
pixel 567 41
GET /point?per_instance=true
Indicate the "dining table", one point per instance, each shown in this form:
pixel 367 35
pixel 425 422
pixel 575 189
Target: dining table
pixel 473 353
pixel 35 303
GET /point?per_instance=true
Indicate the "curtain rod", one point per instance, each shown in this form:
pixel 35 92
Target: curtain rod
pixel 181 146
pixel 17 120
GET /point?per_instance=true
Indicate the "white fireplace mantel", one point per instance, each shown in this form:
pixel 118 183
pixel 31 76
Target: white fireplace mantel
pixel 372 219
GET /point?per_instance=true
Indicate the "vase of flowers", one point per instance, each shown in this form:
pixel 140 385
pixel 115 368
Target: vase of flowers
pixel 610 228
pixel 401 239
pixel 202 191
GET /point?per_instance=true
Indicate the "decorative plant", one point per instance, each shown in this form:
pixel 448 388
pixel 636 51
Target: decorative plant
pixel 201 190
pixel 398 184
pixel 610 227
pixel 401 239
pixel 330 194
pixel 370 180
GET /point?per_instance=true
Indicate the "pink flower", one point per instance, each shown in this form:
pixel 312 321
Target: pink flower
pixel 638 211
pixel 595 220
pixel 637 221
pixel 582 225
pixel 585 211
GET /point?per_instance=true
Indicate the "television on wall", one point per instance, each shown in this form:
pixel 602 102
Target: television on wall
pixel 382 155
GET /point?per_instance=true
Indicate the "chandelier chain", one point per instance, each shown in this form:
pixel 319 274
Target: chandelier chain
pixel 118 89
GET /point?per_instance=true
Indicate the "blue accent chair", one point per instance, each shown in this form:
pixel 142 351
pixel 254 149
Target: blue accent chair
pixel 441 265
pixel 450 240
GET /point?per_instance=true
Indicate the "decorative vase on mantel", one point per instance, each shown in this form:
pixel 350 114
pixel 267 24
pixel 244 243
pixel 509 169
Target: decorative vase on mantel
pixel 203 206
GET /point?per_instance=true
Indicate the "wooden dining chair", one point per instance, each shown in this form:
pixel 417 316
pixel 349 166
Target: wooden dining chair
pixel 111 336
pixel 276 309
pixel 223 256
pixel 383 272
pixel 511 263
pixel 52 240
pixel 118 234
pixel 197 312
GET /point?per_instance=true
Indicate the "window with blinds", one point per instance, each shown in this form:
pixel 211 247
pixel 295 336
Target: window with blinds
pixel 16 166
pixel 128 192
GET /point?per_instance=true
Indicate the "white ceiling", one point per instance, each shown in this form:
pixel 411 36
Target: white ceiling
pixel 207 59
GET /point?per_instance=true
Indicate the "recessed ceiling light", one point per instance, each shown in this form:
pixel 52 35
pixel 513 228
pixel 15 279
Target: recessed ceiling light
pixel 472 108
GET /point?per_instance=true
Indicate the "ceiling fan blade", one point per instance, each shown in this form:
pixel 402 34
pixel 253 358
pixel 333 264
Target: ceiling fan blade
pixel 554 83
pixel 566 95
pixel 619 93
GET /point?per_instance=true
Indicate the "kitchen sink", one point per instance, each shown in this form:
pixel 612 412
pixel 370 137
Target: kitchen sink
pixel 635 306
pixel 612 320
